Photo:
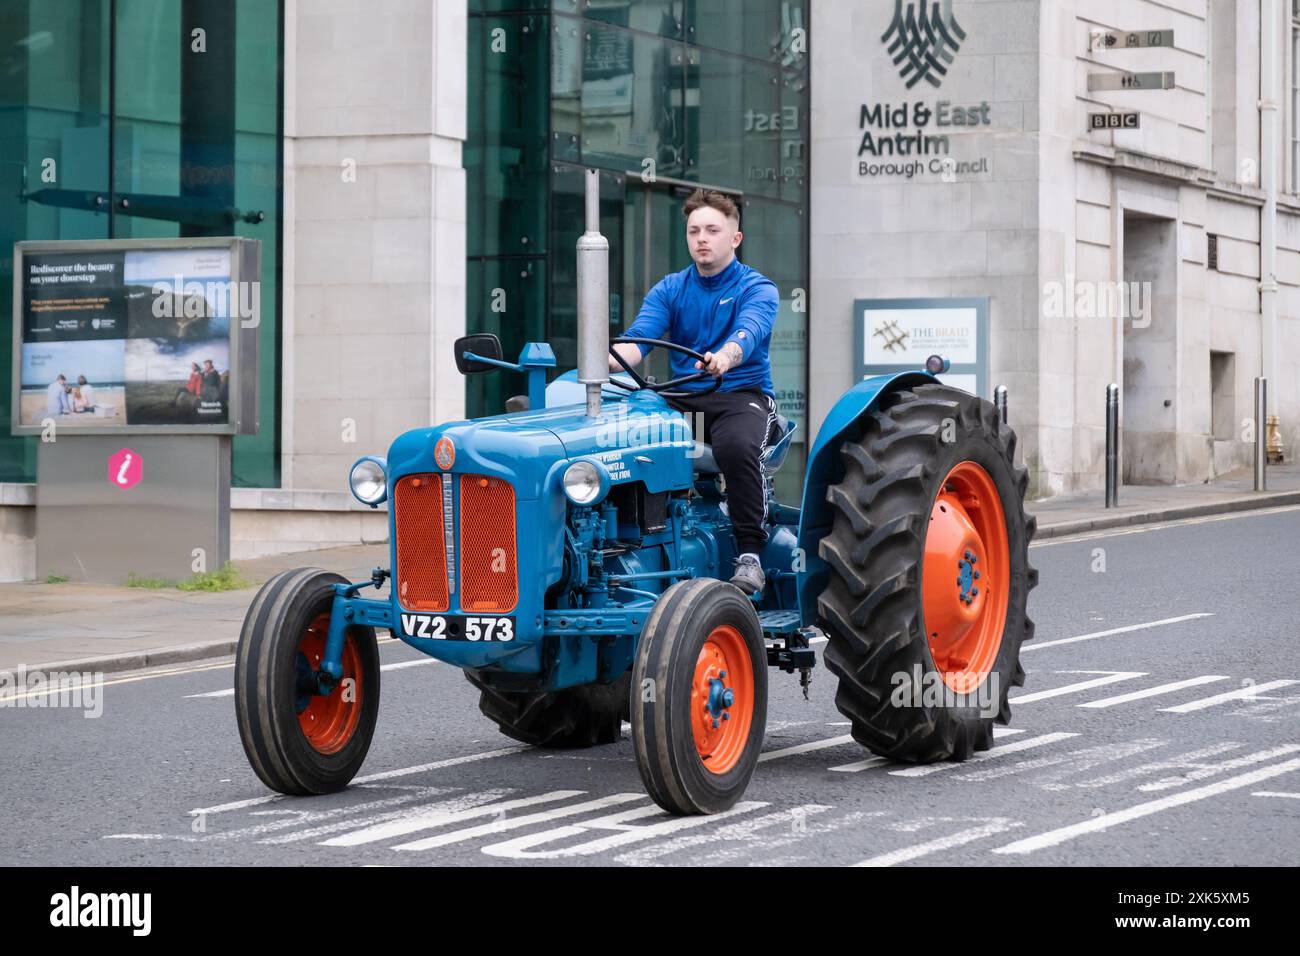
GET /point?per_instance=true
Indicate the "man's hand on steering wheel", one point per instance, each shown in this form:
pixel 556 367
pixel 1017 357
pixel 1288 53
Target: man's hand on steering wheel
pixel 721 361
pixel 671 388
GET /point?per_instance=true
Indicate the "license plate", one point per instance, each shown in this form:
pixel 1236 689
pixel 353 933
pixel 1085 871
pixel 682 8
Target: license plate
pixel 450 627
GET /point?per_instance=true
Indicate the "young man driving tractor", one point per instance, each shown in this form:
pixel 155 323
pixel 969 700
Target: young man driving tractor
pixel 721 307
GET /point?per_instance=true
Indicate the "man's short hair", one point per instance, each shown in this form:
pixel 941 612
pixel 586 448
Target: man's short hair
pixel 714 200
pixel 60 379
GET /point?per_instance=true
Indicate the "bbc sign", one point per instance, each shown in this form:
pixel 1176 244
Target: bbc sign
pixel 1114 120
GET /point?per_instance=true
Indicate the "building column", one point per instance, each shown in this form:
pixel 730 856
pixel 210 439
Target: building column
pixel 374 229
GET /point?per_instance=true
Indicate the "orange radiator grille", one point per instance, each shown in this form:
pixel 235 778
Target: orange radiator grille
pixel 489 578
pixel 421 576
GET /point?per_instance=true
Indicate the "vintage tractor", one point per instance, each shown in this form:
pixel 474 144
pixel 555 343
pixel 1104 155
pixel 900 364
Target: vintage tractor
pixel 571 557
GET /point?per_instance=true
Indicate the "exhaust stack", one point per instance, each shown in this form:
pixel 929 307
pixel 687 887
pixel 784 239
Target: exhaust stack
pixel 593 300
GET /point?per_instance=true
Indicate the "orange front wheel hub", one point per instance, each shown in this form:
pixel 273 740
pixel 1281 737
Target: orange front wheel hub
pixel 722 699
pixel 328 721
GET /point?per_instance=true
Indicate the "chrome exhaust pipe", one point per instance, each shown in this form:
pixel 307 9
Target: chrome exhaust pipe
pixel 593 300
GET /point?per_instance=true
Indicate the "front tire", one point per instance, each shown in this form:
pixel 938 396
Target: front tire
pixel 699 707
pixel 299 742
pixel 925 609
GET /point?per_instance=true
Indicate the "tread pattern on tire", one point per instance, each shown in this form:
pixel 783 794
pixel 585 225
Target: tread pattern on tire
pixel 665 750
pixel 266 723
pixel 870 609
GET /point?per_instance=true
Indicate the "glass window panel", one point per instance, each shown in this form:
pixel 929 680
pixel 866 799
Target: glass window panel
pixel 53 149
pixel 734 117
pixel 475 141
pixel 255 459
pixel 568 216
pixel 792 141
pixel 761 29
pixel 507 297
pixel 513 105
pixel 631 101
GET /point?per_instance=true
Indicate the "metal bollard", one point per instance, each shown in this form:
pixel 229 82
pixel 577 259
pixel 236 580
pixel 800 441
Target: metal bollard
pixel 1261 445
pixel 1000 402
pixel 1112 445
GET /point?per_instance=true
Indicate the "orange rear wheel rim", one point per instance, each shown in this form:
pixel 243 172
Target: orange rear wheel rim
pixel 722 699
pixel 329 721
pixel 966 577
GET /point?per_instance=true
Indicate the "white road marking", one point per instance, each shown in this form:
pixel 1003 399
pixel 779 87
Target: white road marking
pixel 1253 690
pixel 1211 770
pixel 1035 646
pixel 859 765
pixel 1109 677
pixel 1257 709
pixel 1276 793
pixel 521 848
pixel 424 818
pixel 1154 691
pixel 178 837
pixel 513 823
pixel 1108 820
pixel 743 837
pixel 293 816
pixel 1180 762
pixel 84 681
pixel 230 691
pixel 1019 745
pixel 453 805
pixel 438 764
pixel 805 748
pixel 962 837
pixel 1064 765
pixel 165 670
pixel 368 778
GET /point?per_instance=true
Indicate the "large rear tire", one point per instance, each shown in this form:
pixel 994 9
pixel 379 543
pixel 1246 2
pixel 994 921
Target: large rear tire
pixel 572 718
pixel 299 742
pixel 925 609
pixel 700 697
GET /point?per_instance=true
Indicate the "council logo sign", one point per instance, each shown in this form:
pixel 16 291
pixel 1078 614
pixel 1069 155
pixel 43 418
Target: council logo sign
pixel 922 40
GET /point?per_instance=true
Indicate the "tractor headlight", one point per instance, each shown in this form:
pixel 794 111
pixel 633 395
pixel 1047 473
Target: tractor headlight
pixel 585 482
pixel 369 481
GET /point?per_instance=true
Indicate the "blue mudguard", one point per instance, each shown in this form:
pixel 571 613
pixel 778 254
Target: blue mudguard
pixel 844 421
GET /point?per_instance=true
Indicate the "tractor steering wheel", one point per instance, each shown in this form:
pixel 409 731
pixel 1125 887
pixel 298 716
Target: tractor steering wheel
pixel 670 388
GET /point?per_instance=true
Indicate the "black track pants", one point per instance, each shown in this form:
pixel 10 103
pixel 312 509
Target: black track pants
pixel 739 426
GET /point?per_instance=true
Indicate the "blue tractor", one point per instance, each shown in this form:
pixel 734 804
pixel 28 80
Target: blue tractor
pixel 571 555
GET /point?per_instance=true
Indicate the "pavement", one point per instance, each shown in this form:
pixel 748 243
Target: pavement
pixel 105 628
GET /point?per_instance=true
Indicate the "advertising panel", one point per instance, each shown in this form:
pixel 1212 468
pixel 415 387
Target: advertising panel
pixel 136 335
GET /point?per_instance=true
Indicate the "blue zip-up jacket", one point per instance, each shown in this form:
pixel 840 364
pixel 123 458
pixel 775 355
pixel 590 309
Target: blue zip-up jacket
pixel 704 313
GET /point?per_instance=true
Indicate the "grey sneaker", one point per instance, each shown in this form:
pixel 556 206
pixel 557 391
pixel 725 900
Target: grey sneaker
pixel 749 575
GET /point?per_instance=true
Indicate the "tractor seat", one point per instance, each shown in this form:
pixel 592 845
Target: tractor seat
pixel 772 458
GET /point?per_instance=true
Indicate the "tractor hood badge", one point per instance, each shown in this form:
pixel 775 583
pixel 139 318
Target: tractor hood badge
pixel 444 453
